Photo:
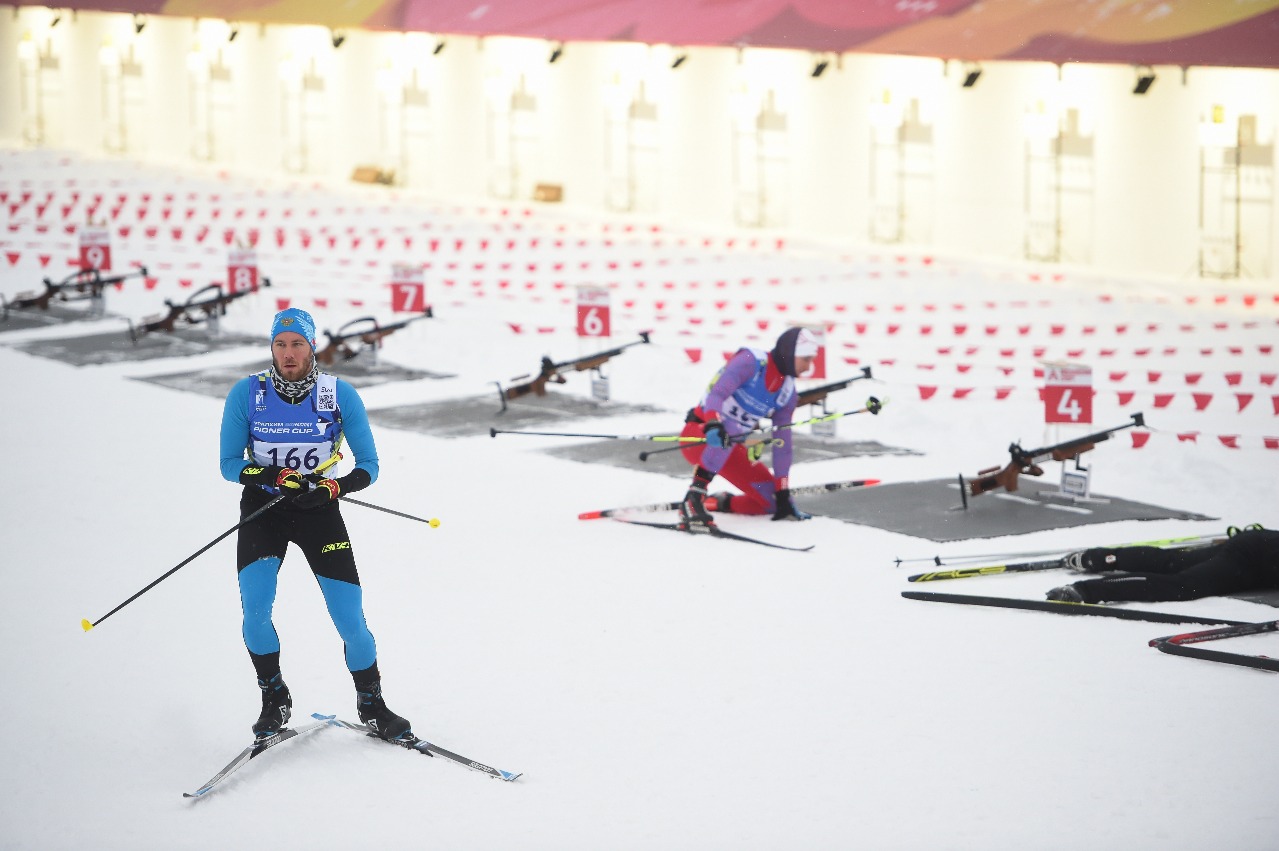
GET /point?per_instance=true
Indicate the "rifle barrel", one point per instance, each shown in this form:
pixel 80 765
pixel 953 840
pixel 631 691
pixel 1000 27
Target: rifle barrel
pixel 1098 437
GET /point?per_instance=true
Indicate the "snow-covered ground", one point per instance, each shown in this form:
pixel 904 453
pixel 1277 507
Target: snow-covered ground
pixel 657 691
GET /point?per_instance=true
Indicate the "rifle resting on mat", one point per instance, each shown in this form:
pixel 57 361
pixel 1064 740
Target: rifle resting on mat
pixel 371 337
pixel 194 311
pixel 552 371
pixel 1026 462
pixel 85 283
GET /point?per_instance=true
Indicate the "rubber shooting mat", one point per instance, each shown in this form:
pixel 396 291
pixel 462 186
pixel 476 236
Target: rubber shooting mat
pixel 97 349
pixel 474 416
pixel 57 314
pixel 933 510
pixel 217 381
pixel 661 458
pixel 365 371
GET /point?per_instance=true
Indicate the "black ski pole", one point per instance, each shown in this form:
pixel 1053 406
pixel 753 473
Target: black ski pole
pixel 88 626
pixel 434 522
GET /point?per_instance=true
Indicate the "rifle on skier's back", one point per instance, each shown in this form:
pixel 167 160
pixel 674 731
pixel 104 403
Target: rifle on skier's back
pixel 372 336
pixel 552 371
pixel 84 283
pixel 813 395
pixel 1026 462
pixel 194 311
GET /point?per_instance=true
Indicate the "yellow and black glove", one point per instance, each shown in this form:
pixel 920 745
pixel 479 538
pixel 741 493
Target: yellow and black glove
pixel 323 492
pixel 288 480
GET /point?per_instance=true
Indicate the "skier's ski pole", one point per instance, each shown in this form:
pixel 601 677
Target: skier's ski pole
pixel 88 626
pixel 434 522
pixel 774 441
pixel 494 432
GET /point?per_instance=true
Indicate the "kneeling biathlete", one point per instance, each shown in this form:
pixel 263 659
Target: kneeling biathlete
pixel 291 421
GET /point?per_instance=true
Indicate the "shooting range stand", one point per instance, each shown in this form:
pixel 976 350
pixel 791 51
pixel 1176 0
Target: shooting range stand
pixel 930 510
pixel 474 416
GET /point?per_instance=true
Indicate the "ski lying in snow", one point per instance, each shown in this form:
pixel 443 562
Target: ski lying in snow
pixel 988 570
pixel 422 746
pixel 714 532
pixel 255 750
pixel 711 504
pixel 1061 608
pixel 1177 645
pixel 1191 542
pixel 1243 660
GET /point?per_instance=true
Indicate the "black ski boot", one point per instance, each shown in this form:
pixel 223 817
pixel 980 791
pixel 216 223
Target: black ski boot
pixel 375 715
pixel 692 511
pixel 277 707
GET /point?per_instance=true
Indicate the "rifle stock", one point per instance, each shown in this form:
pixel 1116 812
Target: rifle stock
pixel 552 371
pixel 1026 462
pixel 813 395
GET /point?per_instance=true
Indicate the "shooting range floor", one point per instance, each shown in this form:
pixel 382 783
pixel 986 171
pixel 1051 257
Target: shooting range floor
pixel 672 463
pixel 96 349
pixel 217 381
pixel 24 320
pixel 363 371
pixel 474 416
pixel 933 510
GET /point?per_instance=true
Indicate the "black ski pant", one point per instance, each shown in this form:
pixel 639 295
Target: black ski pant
pixel 1249 561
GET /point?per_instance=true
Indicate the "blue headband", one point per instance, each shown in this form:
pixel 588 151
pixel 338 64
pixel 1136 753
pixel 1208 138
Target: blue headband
pixel 296 320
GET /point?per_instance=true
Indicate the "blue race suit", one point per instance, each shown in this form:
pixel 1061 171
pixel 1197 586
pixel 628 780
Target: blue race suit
pixel 256 421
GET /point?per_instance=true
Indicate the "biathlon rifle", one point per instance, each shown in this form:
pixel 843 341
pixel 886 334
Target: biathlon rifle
pixel 552 371
pixel 818 394
pixel 86 283
pixel 1026 462
pixel 194 311
pixel 370 336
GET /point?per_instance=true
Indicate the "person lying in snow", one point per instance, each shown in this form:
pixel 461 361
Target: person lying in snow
pixel 1247 561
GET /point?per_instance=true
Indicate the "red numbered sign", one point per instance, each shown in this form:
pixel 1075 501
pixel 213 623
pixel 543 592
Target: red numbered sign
pixel 1067 393
pixel 242 270
pixel 593 312
pixel 95 249
pixel 408 289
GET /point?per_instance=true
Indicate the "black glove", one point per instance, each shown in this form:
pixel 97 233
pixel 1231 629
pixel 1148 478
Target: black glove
pixel 715 434
pixel 786 509
pixel 288 480
pixel 324 492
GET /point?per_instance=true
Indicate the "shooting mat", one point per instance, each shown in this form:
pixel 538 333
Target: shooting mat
pixel 57 314
pixel 217 381
pixel 933 510
pixel 476 415
pixel 97 349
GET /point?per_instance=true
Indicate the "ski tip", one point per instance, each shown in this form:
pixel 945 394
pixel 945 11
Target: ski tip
pixel 509 775
pixel 434 522
pixel 869 482
pixel 85 625
pixel 590 515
